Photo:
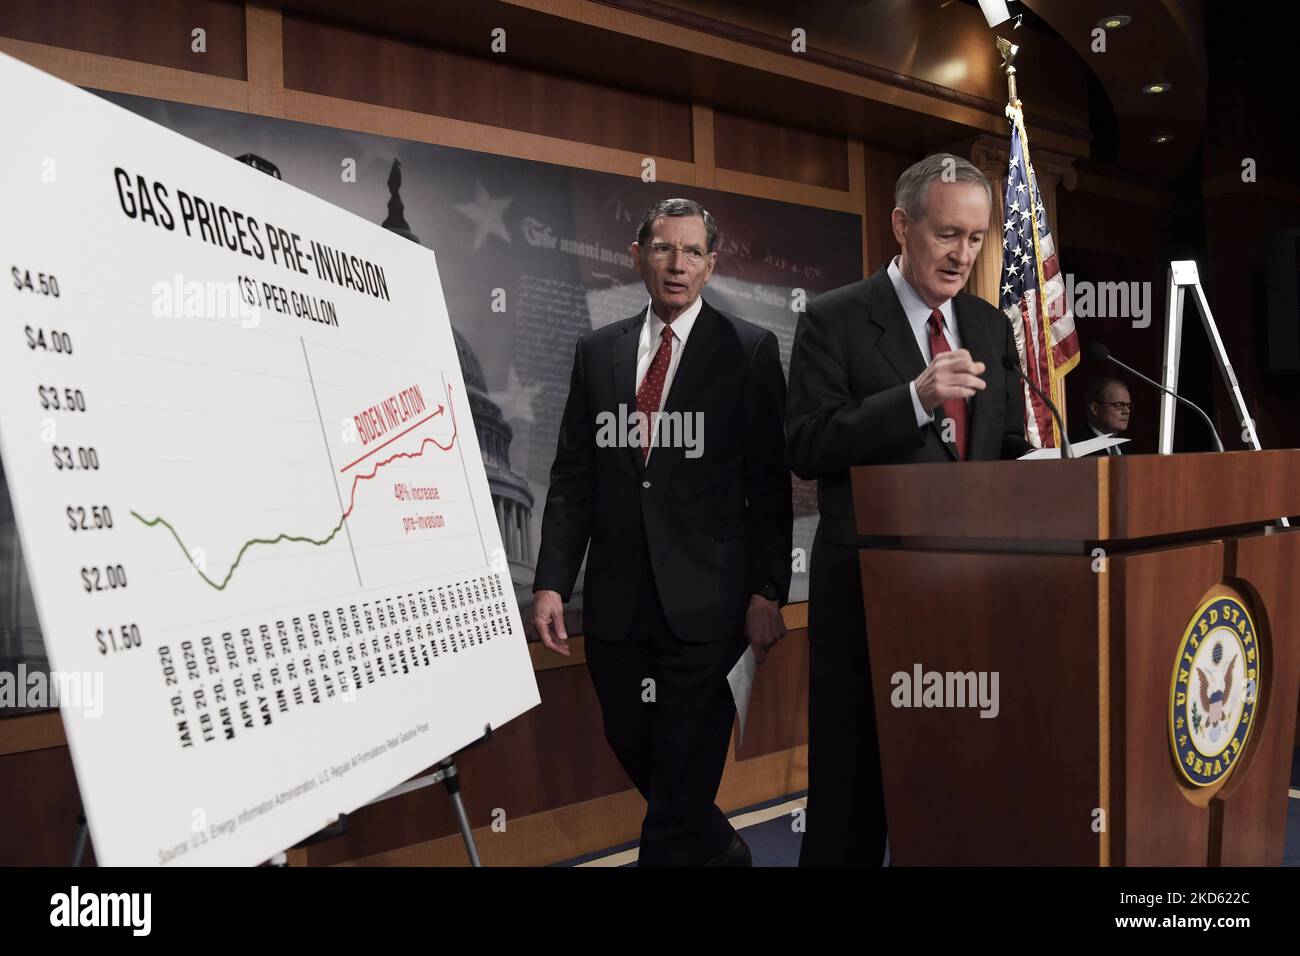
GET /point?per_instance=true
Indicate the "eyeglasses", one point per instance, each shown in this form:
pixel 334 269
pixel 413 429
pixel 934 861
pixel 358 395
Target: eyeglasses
pixel 1121 406
pixel 662 251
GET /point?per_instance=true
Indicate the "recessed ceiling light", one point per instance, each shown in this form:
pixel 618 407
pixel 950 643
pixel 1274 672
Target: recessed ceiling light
pixel 1157 87
pixel 995 11
pixel 1162 137
pixel 1115 22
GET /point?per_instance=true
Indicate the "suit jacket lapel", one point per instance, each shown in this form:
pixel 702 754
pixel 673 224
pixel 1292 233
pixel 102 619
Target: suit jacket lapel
pixel 897 343
pixel 982 421
pixel 703 342
pixel 624 368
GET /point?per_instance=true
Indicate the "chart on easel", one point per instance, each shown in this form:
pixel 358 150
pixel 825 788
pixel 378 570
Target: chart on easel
pixel 248 486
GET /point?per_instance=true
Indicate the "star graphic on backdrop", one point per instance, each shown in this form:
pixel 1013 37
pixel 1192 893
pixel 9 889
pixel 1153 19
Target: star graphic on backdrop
pixel 486 214
pixel 516 400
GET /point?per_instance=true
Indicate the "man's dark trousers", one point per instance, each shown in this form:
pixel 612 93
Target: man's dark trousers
pixel 670 736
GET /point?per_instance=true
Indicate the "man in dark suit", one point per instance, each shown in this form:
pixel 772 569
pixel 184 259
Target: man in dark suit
pixel 690 539
pixel 1109 408
pixel 901 367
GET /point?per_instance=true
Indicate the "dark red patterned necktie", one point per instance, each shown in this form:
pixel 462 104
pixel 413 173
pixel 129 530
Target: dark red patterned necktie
pixel 953 408
pixel 652 387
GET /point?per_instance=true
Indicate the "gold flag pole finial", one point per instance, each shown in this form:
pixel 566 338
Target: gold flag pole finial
pixel 1009 51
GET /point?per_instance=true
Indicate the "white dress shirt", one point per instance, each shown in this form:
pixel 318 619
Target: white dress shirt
pixel 918 317
pixel 648 345
pixel 1113 449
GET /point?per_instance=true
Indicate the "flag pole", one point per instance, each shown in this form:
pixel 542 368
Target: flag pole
pixel 1015 113
pixel 1009 51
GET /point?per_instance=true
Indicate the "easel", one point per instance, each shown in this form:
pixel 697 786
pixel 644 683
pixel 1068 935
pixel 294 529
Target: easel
pixel 447 774
pixel 1182 277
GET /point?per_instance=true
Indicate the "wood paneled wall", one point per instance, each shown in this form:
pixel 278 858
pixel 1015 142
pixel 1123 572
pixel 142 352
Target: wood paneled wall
pixel 160 32
pixel 335 61
pixel 780 152
pixel 884 166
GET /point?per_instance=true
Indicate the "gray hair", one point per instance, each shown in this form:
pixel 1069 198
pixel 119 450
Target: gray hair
pixel 674 208
pixel 914 184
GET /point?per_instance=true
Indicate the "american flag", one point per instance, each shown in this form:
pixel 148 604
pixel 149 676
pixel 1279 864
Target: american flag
pixel 1031 275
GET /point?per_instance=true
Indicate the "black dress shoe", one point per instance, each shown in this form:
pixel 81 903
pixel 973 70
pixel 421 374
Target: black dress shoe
pixel 737 854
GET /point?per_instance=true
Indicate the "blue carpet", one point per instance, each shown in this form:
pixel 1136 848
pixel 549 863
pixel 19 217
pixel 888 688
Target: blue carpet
pixel 773 843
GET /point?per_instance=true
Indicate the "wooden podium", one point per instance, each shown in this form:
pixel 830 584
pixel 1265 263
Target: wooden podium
pixel 1080 583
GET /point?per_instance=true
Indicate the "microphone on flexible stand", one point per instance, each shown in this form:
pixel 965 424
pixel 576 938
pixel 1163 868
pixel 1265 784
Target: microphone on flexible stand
pixel 1011 365
pixel 1097 352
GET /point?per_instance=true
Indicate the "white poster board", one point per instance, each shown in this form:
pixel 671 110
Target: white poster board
pixel 246 479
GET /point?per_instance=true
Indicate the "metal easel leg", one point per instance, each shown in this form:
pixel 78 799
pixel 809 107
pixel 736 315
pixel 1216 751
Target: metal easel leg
pixel 451 780
pixel 82 841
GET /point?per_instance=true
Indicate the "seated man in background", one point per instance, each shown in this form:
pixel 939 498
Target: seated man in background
pixel 1109 407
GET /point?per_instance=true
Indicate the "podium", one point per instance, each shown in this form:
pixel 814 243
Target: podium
pixel 1123 604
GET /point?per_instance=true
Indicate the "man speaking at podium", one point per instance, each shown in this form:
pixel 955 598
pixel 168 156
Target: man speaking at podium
pixel 690 540
pixel 899 368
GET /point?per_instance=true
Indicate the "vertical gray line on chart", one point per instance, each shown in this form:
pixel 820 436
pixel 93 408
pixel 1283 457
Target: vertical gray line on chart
pixel 330 458
pixel 460 450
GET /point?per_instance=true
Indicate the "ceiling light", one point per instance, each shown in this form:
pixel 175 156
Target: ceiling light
pixel 995 11
pixel 1157 87
pixel 1115 22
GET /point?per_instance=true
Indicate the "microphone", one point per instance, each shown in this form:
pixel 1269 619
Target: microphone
pixel 1097 352
pixel 1011 365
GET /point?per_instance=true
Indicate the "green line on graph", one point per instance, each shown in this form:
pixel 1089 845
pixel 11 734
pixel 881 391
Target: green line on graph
pixel 247 544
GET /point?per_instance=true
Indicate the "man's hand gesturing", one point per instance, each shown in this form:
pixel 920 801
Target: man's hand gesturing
pixel 949 375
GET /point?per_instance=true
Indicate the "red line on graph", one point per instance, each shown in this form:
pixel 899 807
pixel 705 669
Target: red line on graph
pixel 357 479
pixel 393 439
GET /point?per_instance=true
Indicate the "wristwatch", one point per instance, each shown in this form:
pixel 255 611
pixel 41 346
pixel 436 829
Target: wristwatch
pixel 769 592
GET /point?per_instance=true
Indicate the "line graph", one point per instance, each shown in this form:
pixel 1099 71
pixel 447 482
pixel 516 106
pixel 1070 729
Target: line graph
pixel 154 522
pixel 346 513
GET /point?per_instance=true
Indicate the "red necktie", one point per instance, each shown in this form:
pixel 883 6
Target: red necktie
pixel 652 386
pixel 953 408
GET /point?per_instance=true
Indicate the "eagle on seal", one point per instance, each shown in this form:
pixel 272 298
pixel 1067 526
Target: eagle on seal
pixel 1215 705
